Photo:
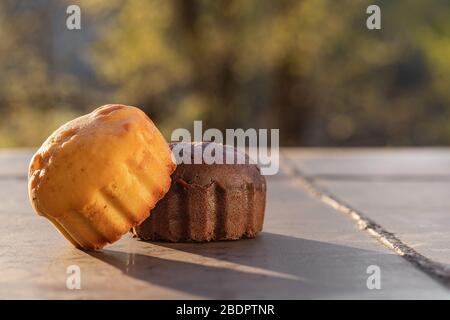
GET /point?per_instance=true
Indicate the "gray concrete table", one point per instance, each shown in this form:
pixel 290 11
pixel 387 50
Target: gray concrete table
pixel 332 215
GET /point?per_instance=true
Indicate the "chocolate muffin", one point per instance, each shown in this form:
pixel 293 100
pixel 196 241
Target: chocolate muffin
pixel 208 202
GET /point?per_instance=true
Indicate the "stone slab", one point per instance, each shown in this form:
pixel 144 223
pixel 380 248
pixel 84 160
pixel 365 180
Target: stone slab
pixel 307 251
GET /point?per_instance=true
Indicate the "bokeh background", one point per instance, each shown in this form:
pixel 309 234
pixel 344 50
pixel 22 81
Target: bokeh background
pixel 308 67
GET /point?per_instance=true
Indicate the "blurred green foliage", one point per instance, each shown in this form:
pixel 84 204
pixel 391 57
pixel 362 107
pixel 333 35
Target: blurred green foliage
pixel 308 67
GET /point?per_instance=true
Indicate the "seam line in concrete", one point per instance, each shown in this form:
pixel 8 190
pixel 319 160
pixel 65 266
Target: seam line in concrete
pixel 434 269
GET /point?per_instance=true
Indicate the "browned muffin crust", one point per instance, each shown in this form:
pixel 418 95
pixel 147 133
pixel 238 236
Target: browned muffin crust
pixel 209 202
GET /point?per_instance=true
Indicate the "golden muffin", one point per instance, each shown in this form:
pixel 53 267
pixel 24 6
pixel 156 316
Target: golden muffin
pixel 99 175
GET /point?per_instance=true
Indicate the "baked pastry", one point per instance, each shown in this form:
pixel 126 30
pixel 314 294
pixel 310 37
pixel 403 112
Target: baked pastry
pixel 99 175
pixel 209 202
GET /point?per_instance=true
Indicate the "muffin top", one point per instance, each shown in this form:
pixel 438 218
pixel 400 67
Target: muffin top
pixel 89 153
pixel 236 174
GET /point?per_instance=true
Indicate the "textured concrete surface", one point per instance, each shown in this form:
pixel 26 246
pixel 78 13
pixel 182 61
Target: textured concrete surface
pixel 405 191
pixel 417 212
pixel 307 249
